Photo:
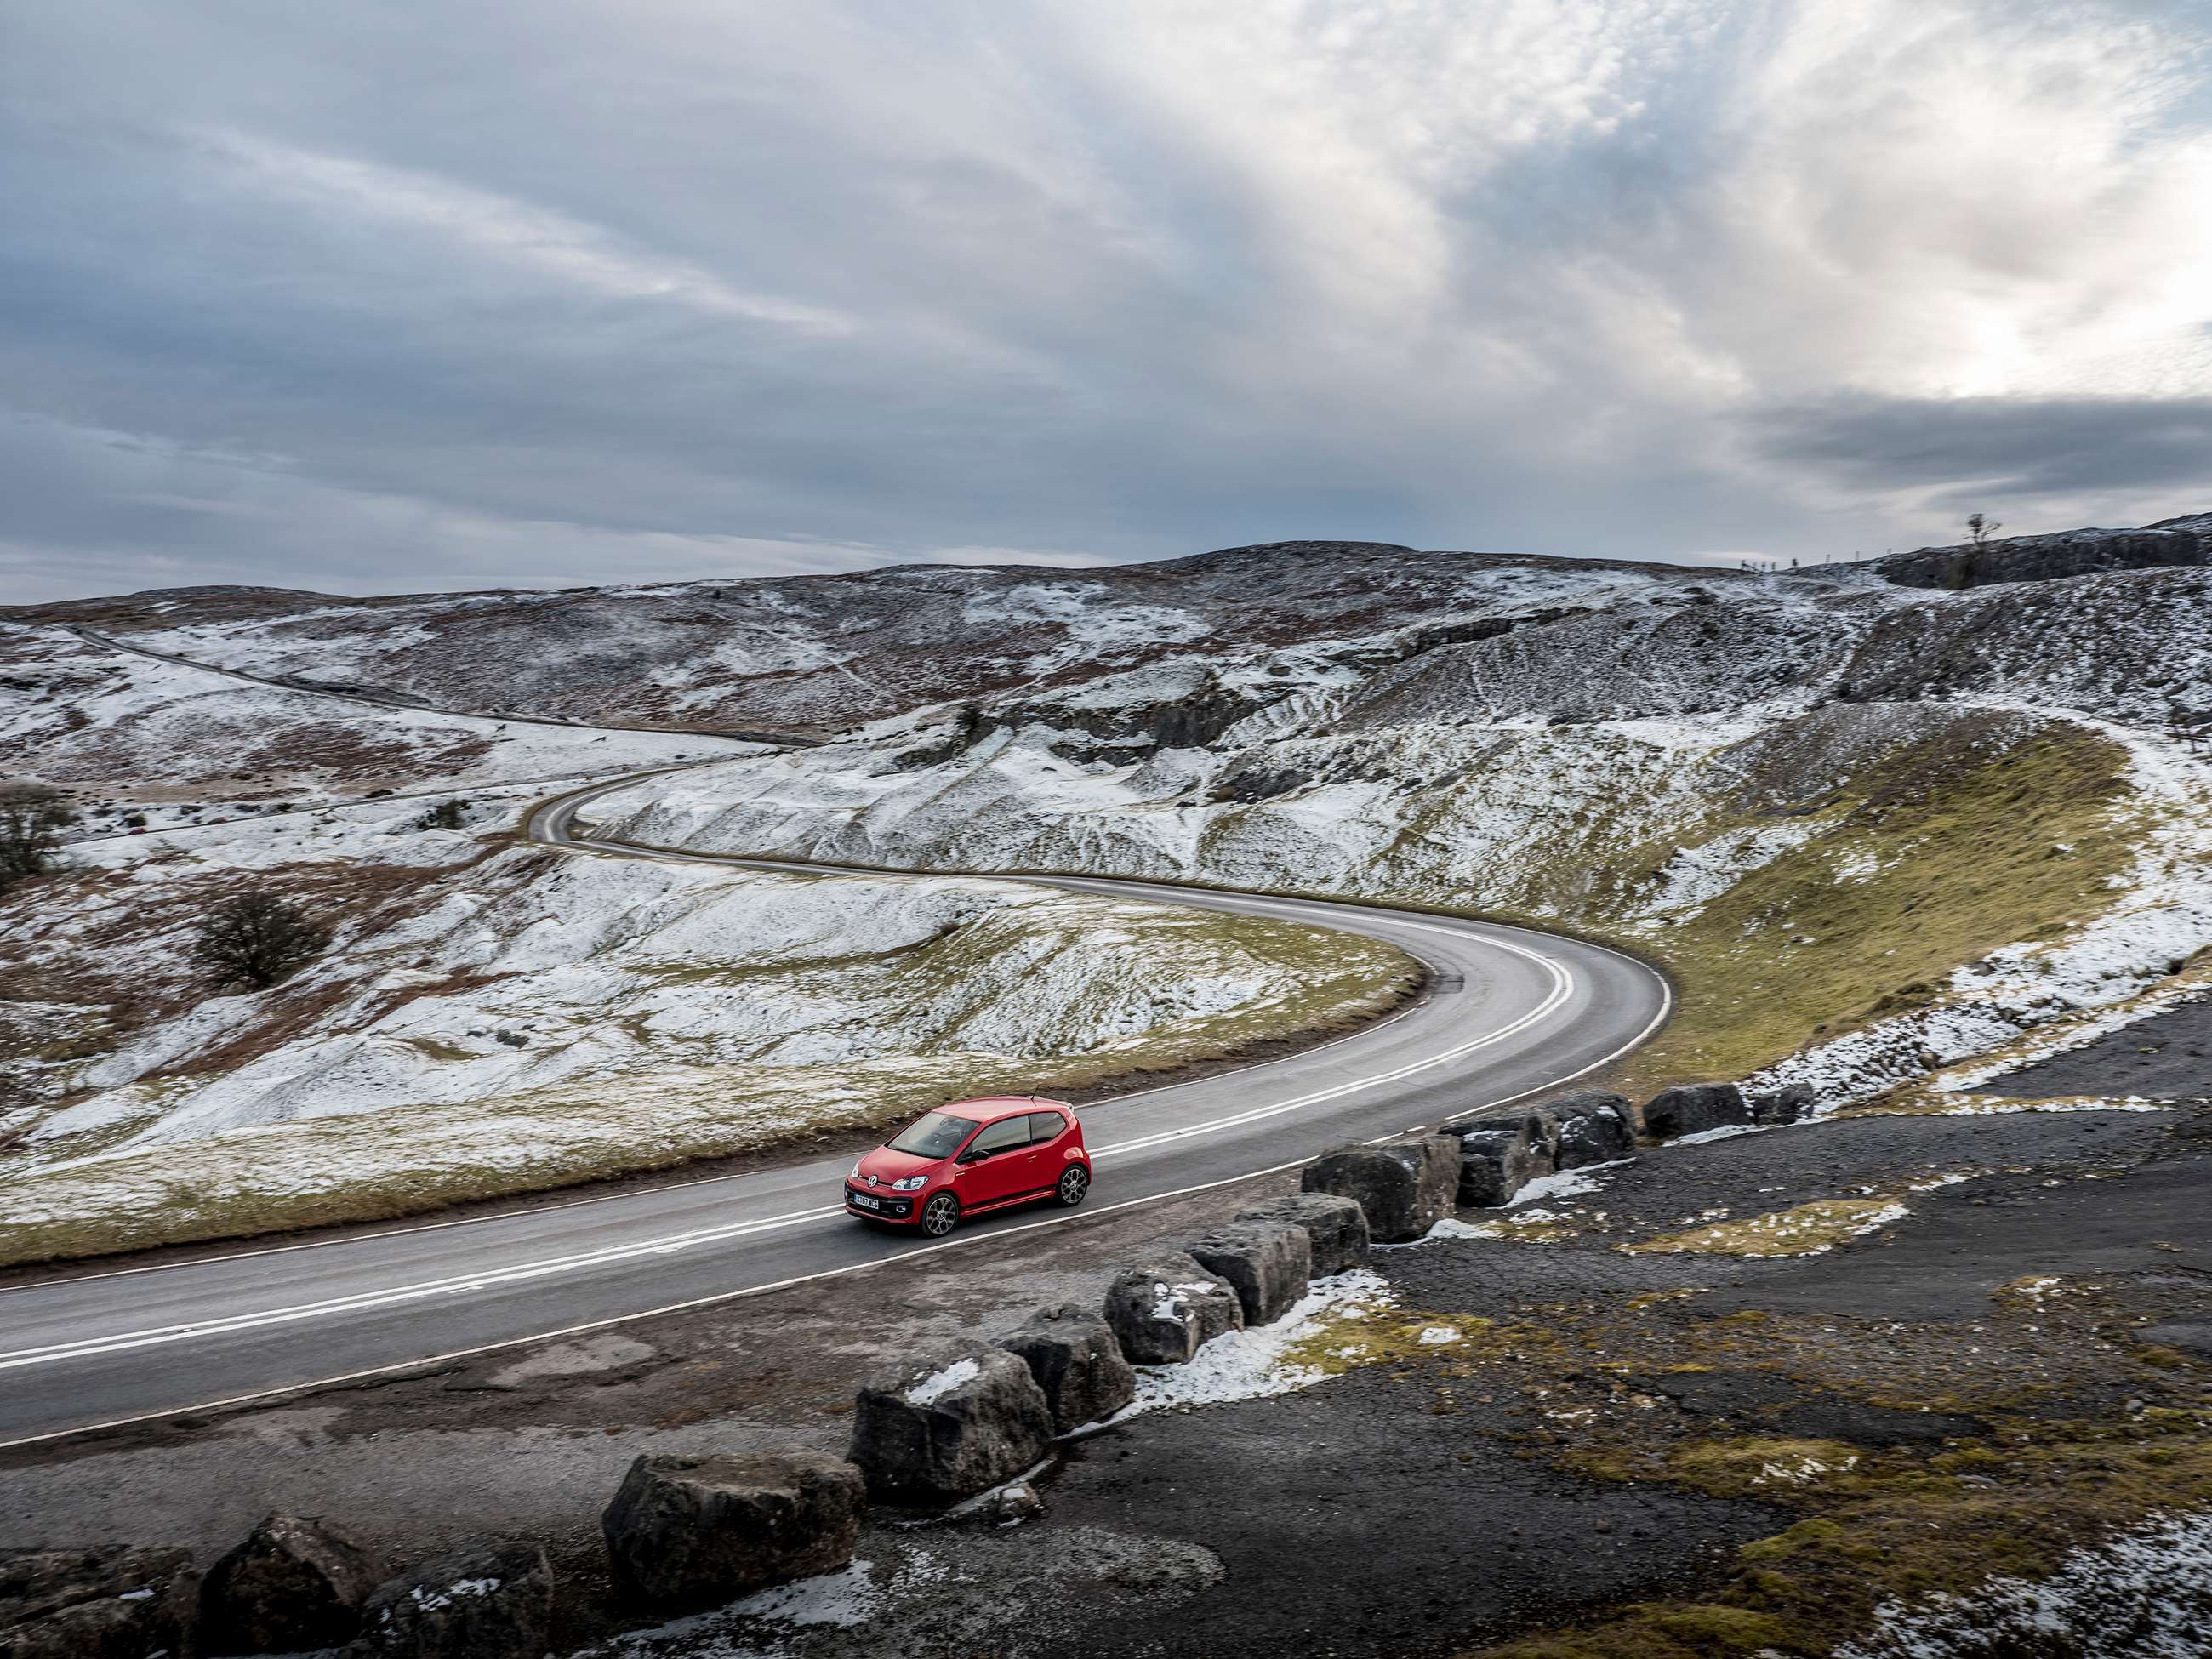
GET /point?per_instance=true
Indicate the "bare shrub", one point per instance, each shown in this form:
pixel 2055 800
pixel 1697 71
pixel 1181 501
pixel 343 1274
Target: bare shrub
pixel 33 820
pixel 259 938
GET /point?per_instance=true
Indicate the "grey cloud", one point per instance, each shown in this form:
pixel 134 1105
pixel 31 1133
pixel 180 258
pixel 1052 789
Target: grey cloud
pixel 2018 447
pixel 394 296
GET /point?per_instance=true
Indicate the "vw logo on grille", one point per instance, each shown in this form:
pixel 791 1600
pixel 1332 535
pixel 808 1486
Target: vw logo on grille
pixel 870 1179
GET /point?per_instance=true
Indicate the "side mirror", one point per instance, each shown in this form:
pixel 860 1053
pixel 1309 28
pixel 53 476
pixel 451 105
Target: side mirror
pixel 971 1155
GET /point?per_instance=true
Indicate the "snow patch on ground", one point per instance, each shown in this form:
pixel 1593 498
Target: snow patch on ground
pixel 1249 1363
pixel 2147 1592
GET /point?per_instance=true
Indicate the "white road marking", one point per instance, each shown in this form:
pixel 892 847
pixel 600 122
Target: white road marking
pixel 1562 986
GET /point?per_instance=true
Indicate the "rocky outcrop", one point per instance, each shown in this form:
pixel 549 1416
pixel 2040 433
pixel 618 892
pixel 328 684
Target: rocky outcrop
pixel 125 1603
pixel 295 1583
pixel 491 1600
pixel 1336 1227
pixel 1077 1362
pixel 1267 1263
pixel 945 1429
pixel 1594 1129
pixel 694 1531
pixel 1695 1108
pixel 2184 541
pixel 1405 1187
pixel 1167 1307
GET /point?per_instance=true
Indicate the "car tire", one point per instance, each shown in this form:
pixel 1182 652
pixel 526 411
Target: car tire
pixel 1074 1182
pixel 940 1215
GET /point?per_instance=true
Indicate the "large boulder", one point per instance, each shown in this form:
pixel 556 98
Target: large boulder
pixel 491 1600
pixel 1594 1129
pixel 1405 1187
pixel 696 1531
pixel 295 1583
pixel 1538 1127
pixel 1494 1165
pixel 1787 1104
pixel 1694 1107
pixel 124 1603
pixel 478 1602
pixel 1077 1361
pixel 1336 1227
pixel 1167 1307
pixel 937 1430
pixel 1267 1263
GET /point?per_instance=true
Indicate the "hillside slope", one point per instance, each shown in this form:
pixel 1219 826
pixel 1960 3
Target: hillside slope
pixel 1883 826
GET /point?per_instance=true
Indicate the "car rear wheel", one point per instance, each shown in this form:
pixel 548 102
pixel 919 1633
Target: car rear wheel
pixel 1074 1182
pixel 940 1215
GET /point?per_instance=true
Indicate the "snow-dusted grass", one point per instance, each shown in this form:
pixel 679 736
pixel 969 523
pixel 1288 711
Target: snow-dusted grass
pixel 160 739
pixel 505 1018
pixel 1923 880
pixel 1808 1230
pixel 2147 1592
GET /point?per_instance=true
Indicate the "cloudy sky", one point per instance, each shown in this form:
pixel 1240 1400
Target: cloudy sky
pixel 407 295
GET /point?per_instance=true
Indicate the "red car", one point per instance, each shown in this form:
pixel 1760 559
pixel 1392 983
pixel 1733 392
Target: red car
pixel 971 1156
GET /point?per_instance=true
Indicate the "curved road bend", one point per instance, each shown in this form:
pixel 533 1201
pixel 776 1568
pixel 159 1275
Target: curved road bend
pixel 1511 1011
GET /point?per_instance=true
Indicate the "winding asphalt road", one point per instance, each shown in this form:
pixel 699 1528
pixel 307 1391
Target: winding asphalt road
pixel 1510 1012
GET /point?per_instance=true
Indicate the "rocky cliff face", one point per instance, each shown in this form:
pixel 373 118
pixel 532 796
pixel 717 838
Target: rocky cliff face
pixel 2184 541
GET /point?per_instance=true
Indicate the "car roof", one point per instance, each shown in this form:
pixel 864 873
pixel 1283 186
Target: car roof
pixel 989 1108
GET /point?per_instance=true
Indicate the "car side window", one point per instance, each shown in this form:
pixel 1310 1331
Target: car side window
pixel 1045 1126
pixel 1002 1137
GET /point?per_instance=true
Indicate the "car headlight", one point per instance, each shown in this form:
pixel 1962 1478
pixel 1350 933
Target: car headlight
pixel 855 1173
pixel 910 1183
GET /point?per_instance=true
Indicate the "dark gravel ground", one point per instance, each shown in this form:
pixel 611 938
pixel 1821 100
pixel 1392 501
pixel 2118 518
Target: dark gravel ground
pixel 1426 1504
pixel 2165 1057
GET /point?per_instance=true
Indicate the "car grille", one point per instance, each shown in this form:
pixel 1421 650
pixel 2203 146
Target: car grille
pixel 879 1202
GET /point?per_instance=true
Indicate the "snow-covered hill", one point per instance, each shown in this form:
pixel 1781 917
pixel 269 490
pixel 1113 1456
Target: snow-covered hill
pixel 495 1017
pixel 1870 827
pixel 1879 825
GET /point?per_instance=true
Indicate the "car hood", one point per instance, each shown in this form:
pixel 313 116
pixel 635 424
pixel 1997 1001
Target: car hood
pixel 887 1165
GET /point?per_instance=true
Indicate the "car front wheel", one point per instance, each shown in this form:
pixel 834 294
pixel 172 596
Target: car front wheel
pixel 940 1215
pixel 1074 1182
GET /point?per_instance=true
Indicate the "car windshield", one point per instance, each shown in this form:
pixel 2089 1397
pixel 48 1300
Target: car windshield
pixel 937 1135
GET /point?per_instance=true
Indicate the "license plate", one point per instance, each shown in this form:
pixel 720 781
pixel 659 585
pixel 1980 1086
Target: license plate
pixel 865 1201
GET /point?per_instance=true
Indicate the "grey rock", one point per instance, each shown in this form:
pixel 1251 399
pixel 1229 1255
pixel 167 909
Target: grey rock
pixel 1267 1263
pixel 295 1583
pixel 1336 1227
pixel 1695 1108
pixel 1594 1129
pixel 1538 1127
pixel 1494 1164
pixel 1405 1187
pixel 1785 1105
pixel 124 1603
pixel 695 1531
pixel 1167 1307
pixel 492 1600
pixel 1014 1502
pixel 1077 1361
pixel 940 1430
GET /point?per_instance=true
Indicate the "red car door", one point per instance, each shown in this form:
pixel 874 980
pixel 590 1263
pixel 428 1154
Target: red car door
pixel 997 1164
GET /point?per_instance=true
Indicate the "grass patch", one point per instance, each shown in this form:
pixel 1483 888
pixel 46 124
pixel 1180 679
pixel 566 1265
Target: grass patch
pixel 1893 1525
pixel 1808 1230
pixel 1964 858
